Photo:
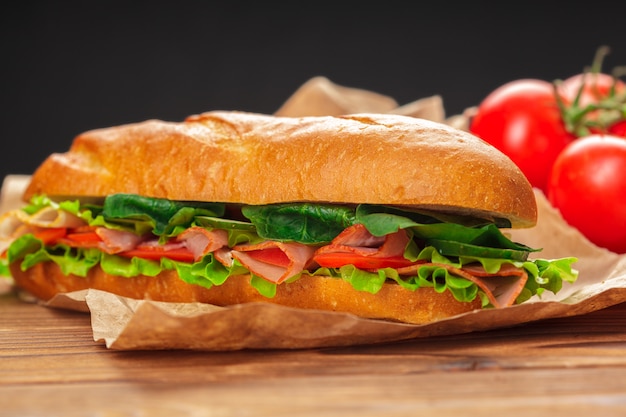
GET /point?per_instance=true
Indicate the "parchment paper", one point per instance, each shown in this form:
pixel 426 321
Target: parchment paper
pixel 128 324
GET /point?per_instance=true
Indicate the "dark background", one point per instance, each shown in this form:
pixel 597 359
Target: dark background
pixel 68 67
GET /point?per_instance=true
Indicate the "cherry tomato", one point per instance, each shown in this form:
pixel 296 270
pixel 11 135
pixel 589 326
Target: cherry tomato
pixel 593 88
pixel 618 129
pixel 523 120
pixel 597 102
pixel 588 186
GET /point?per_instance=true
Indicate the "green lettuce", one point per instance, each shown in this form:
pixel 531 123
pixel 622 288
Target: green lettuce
pixel 543 274
pixel 442 243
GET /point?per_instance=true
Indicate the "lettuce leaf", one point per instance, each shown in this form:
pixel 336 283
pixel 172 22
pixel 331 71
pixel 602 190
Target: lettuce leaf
pixel 543 274
pixel 284 222
pixel 305 223
pixel 4 267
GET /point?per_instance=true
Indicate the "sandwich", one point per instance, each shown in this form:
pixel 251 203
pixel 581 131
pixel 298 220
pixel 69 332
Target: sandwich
pixel 382 216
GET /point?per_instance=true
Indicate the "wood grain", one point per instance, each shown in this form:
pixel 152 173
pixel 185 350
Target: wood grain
pixel 50 365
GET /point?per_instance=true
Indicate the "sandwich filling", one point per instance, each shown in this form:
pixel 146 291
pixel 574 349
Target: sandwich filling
pixel 206 243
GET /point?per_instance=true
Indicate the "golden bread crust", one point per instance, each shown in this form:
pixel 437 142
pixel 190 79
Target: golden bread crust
pixel 393 302
pixel 238 157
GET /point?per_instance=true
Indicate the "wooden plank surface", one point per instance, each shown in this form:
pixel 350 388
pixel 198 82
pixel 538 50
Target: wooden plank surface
pixel 50 365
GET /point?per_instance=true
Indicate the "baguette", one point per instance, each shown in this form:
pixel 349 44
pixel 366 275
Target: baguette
pixel 430 185
pixel 236 157
pixel 392 302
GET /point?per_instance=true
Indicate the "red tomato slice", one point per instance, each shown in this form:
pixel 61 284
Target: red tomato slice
pixel 84 237
pixel 81 237
pixel 272 256
pixel 155 253
pixel 50 236
pixel 339 259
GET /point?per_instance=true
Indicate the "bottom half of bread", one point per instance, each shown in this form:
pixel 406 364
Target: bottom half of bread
pixel 392 302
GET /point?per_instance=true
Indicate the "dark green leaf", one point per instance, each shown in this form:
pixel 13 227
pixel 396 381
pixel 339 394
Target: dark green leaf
pixel 305 223
pixel 453 248
pixel 161 214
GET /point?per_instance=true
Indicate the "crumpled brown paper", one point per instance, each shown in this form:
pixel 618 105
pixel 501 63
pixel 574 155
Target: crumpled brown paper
pixel 128 324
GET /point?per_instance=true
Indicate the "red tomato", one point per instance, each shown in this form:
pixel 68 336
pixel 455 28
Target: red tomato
pixel 599 90
pixel 593 88
pixel 523 120
pixel 618 129
pixel 588 186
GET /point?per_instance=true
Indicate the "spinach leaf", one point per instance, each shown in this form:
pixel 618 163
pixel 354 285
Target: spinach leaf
pixel 161 214
pixel 451 239
pixel 301 222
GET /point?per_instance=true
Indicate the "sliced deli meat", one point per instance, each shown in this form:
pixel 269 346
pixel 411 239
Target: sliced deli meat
pixel 503 287
pixel 272 260
pixel 201 241
pixel 358 240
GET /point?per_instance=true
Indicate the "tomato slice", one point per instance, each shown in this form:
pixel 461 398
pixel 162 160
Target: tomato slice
pixel 272 256
pixel 84 237
pixel 339 259
pixel 155 253
pixel 51 235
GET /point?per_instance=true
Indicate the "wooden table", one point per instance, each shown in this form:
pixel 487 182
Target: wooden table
pixel 50 365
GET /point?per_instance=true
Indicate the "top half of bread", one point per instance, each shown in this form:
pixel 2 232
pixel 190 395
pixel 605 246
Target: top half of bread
pixel 239 157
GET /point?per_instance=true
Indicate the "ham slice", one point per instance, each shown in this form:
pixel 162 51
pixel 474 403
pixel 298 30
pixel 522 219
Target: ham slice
pixel 502 288
pixel 115 241
pixel 224 256
pixel 50 217
pixel 274 261
pixel 11 227
pixel 356 239
pixel 294 259
pixel 16 223
pixel 201 241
